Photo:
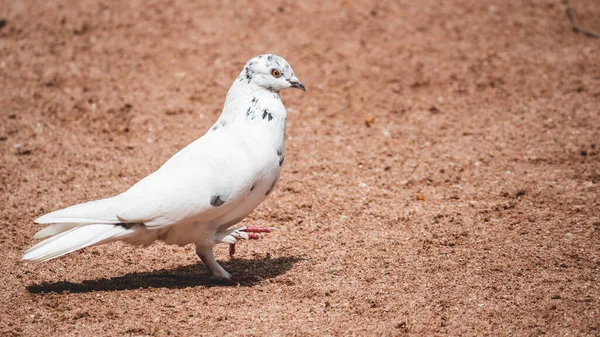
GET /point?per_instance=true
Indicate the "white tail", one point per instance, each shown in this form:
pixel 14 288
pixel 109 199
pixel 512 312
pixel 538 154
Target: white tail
pixel 73 239
pixel 54 229
pixel 92 212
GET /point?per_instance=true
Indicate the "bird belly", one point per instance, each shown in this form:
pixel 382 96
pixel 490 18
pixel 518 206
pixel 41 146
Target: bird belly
pixel 258 193
pixel 203 233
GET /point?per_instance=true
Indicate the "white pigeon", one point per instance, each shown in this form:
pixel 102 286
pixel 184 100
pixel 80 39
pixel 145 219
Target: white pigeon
pixel 203 190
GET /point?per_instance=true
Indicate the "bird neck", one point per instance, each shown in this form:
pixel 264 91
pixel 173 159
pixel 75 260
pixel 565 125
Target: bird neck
pixel 250 101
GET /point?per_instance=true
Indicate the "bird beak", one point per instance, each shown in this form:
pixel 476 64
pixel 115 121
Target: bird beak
pixel 295 83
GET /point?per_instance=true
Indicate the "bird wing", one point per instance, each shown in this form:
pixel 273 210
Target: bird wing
pixel 215 165
pixel 203 181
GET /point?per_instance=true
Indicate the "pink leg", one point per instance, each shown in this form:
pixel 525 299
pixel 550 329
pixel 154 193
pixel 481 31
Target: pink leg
pixel 258 229
pixel 254 233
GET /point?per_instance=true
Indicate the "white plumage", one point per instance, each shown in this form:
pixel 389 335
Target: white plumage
pixel 203 190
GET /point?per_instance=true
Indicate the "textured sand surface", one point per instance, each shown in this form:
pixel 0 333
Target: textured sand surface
pixel 442 172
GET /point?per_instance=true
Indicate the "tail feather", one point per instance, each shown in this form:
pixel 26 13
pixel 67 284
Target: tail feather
pixel 54 229
pixel 72 240
pixel 47 241
pixel 92 212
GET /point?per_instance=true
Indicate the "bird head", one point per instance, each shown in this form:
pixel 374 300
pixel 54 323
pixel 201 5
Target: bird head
pixel 270 72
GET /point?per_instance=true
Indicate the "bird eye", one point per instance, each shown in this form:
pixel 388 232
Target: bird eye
pixel 276 73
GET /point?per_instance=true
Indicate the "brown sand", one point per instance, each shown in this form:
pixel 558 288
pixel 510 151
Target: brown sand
pixel 442 171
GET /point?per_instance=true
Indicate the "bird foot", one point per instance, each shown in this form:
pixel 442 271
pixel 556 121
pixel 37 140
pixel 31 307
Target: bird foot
pixel 245 233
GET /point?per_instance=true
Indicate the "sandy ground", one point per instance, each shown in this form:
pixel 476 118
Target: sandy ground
pixel 442 172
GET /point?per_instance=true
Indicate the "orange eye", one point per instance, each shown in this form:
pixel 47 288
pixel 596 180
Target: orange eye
pixel 276 73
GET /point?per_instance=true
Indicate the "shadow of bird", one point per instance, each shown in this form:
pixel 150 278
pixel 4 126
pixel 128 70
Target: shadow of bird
pixel 174 278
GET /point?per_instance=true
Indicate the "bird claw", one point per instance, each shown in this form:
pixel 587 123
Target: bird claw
pixel 251 233
pixel 231 250
pixel 247 233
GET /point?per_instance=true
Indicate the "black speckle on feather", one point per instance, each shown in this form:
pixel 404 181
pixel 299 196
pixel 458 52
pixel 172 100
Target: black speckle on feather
pixel 280 155
pixel 271 188
pixel 221 123
pixel 267 114
pixel 216 201
pixel 248 75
